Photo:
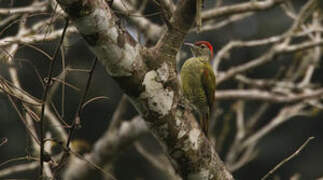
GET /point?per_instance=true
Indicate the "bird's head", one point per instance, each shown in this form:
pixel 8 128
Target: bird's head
pixel 201 48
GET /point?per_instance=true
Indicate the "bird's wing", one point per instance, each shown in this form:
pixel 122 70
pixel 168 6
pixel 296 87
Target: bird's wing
pixel 208 82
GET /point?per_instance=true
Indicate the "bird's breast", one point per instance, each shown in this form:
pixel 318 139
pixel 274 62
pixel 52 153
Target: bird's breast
pixel 191 74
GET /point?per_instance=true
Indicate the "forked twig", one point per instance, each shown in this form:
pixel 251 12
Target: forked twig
pixel 76 122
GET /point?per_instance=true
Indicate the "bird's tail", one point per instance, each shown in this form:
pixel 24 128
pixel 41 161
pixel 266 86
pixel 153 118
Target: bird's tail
pixel 205 124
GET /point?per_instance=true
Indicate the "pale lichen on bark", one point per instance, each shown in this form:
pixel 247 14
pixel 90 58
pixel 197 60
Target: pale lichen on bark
pixel 194 135
pixel 163 72
pixel 86 23
pixel 203 174
pixel 117 63
pixel 158 98
pixel 179 124
pixel 106 40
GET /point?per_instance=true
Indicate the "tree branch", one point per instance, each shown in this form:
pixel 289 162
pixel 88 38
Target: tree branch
pixel 107 149
pixel 34 8
pixel 288 158
pixel 256 94
pixel 241 8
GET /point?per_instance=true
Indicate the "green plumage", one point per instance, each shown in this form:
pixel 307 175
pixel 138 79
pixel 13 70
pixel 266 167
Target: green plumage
pixel 198 85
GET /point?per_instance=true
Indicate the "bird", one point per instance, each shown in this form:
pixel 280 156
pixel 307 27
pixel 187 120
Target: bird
pixel 198 81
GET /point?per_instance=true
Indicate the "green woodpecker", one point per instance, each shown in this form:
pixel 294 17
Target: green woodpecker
pixel 198 81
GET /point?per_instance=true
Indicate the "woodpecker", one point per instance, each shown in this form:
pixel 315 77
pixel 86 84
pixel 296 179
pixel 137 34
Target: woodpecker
pixel 198 81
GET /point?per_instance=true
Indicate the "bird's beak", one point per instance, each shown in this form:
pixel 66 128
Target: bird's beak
pixel 189 44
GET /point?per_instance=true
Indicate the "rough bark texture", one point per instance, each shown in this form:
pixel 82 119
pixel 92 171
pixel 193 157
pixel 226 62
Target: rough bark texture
pixel 148 77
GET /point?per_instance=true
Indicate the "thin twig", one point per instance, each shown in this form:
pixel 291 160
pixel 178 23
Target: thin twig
pixel 76 122
pixel 29 129
pixel 36 7
pixel 284 115
pixel 92 164
pixel 17 159
pixel 93 99
pixel 19 168
pixel 267 96
pixel 44 98
pixel 9 19
pixel 63 85
pixel 288 158
pixel 250 6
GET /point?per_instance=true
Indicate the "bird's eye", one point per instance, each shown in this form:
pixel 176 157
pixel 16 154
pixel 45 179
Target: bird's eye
pixel 203 46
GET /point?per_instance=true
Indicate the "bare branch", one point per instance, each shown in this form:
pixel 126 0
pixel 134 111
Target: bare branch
pixel 288 158
pixel 151 30
pixel 44 99
pixel 115 141
pixel 276 49
pixel 24 38
pixel 34 8
pixel 285 114
pixel 19 168
pixel 77 118
pixel 210 25
pixel 241 8
pixel 256 94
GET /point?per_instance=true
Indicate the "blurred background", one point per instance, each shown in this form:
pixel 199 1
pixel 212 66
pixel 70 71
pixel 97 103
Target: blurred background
pixel 95 117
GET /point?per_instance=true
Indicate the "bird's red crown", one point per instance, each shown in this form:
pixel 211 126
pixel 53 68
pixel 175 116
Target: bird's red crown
pixel 207 44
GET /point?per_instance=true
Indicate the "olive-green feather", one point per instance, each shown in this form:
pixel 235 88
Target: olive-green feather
pixel 191 82
pixel 198 83
pixel 209 85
